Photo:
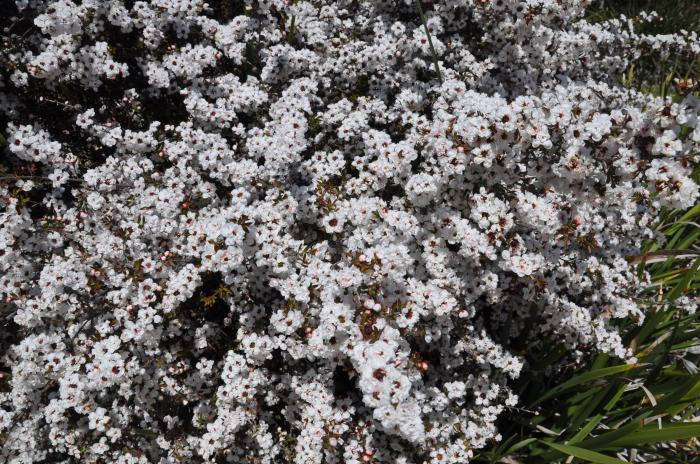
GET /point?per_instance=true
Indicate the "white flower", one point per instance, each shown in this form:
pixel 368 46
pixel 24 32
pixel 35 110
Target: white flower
pixel 667 144
pixel 259 231
pixel 333 223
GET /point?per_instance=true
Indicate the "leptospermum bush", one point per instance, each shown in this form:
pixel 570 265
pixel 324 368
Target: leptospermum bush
pixel 314 231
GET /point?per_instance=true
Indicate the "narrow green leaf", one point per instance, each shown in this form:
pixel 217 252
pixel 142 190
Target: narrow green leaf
pixel 652 434
pixel 600 361
pixel 650 324
pixel 689 240
pixel 677 395
pixel 519 445
pixel 601 441
pixel 290 32
pixel 681 287
pixel 505 444
pixel 430 40
pixel 587 377
pixel 692 212
pixel 672 321
pixel 588 428
pixel 579 400
pixel 611 404
pixel 588 455
pixel 589 407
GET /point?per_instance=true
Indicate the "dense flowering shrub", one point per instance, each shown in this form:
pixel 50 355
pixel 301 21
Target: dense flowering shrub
pixel 310 231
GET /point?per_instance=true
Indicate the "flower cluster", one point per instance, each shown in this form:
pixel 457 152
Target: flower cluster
pixel 314 231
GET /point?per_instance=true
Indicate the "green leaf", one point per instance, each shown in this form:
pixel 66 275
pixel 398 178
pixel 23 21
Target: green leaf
pixel 589 407
pixel 587 377
pixel 520 444
pixel 290 32
pixel 668 401
pixel 652 434
pixel 613 401
pixel 601 441
pixel 430 40
pixel 588 428
pixel 650 325
pixel 600 361
pixel 691 213
pixel 588 455
pixel 683 285
pixel 689 240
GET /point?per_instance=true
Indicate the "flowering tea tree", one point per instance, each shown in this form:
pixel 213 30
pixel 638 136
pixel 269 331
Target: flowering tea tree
pixel 314 231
